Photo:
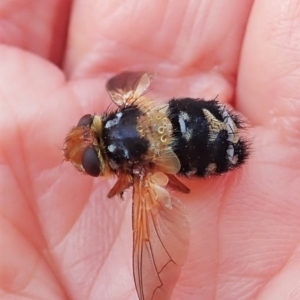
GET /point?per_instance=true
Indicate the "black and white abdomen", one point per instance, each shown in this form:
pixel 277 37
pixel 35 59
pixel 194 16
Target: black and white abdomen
pixel 206 137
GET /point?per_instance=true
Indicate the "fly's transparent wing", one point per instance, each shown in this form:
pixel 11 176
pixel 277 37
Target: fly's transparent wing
pixel 125 88
pixel 160 239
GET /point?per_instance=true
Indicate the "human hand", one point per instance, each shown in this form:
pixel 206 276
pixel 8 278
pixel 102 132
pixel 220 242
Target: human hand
pixel 61 238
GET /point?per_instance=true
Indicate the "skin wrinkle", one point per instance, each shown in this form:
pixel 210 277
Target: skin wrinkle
pixel 95 52
pixel 18 181
pixel 150 49
pixel 20 137
pixel 158 38
pixel 228 78
pixel 55 265
pixel 294 106
pixel 93 254
pixel 216 280
pixel 63 283
pixel 275 34
pixel 40 257
pixel 219 64
pixel 280 164
pixel 227 188
pixel 283 254
pixel 46 23
pixel 71 224
pixel 283 74
pixel 21 232
pixel 108 253
pixel 134 13
pixel 284 264
pixel 47 259
pixel 74 220
pixel 194 19
pixel 178 41
pixel 58 53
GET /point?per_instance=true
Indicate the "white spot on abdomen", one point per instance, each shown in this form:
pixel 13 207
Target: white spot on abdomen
pixel 182 124
pixel 230 153
pixel 232 131
pixel 186 132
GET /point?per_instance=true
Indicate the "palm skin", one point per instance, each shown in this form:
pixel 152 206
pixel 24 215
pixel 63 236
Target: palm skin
pixel 61 238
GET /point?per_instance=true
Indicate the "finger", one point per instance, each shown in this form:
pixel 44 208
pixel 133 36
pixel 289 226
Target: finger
pixel 36 113
pixel 185 42
pixel 268 84
pixel 29 139
pixel 24 272
pixel 65 215
pixel 25 264
pixel 37 26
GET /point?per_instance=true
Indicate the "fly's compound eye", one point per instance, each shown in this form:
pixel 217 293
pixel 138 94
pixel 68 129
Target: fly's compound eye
pixel 90 162
pixel 86 120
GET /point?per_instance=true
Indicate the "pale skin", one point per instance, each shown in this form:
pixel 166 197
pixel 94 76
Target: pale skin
pixel 61 238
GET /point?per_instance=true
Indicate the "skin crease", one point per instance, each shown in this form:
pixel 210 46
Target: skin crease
pixel 60 237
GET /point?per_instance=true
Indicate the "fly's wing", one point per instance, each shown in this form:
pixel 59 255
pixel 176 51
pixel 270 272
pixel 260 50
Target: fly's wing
pixel 125 88
pixel 160 239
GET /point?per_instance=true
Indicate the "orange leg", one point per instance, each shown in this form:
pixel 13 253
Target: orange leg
pixel 124 182
pixel 177 185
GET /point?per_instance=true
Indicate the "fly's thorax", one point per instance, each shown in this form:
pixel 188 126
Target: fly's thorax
pixel 124 145
pixel 137 136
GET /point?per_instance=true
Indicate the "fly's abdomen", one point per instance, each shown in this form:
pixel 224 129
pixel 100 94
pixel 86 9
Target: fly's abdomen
pixel 206 137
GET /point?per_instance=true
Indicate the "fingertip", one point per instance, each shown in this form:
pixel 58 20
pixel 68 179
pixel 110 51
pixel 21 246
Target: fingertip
pixel 269 73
